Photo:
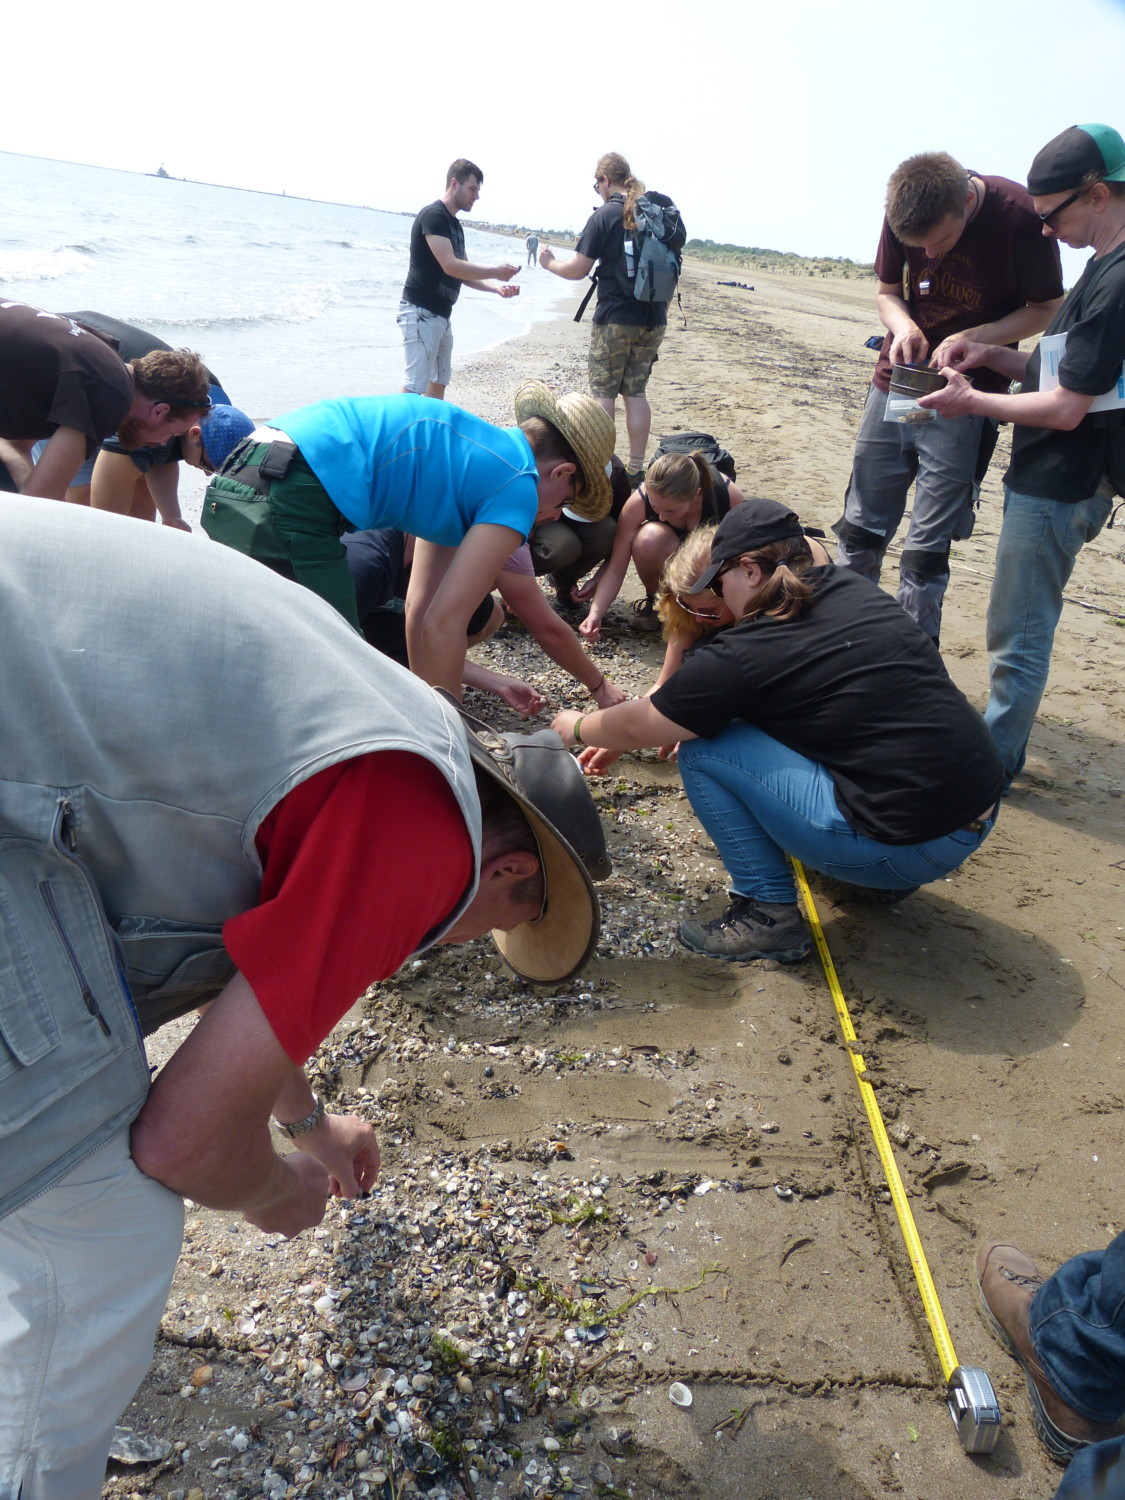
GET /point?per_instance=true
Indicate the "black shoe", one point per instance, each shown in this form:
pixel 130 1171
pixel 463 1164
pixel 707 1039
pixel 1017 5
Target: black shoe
pixel 748 930
pixel 644 614
pixel 636 478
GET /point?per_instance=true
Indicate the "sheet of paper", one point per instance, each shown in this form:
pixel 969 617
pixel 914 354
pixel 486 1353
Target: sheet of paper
pixel 1051 347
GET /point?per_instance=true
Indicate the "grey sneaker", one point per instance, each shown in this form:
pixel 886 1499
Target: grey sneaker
pixel 750 929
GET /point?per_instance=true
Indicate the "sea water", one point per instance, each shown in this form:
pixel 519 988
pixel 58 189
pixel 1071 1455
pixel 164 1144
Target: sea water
pixel 287 300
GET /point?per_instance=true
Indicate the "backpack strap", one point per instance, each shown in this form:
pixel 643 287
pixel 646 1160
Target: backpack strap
pixel 584 304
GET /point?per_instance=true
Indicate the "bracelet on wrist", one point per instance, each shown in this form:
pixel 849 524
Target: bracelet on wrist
pixel 597 687
pixel 310 1122
pixel 577 730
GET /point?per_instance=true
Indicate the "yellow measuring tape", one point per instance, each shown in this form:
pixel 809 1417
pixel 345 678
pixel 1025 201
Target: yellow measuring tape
pixel 934 1314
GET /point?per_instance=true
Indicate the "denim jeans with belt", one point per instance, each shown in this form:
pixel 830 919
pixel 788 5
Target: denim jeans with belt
pixel 1078 1330
pixel 759 801
pixel 1039 542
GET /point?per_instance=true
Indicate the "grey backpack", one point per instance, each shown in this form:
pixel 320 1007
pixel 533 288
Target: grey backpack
pixel 657 241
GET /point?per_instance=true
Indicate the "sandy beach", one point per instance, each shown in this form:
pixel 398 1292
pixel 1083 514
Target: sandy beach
pixel 662 1172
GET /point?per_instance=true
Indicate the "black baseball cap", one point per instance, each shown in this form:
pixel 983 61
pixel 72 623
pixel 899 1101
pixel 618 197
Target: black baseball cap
pixel 753 524
pixel 1063 162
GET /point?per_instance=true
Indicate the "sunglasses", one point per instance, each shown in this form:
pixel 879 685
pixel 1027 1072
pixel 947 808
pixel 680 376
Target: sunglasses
pixel 692 609
pixel 1052 213
pixel 717 581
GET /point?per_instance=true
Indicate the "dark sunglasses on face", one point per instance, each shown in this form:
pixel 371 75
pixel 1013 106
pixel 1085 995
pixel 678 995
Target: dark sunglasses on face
pixel 1052 213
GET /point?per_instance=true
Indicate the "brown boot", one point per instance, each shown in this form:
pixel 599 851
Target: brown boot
pixel 1006 1282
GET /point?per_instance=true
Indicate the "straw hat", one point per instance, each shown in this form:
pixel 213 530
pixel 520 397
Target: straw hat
pixel 589 430
pixel 546 783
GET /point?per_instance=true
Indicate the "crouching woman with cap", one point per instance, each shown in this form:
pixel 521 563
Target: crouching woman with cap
pixel 821 724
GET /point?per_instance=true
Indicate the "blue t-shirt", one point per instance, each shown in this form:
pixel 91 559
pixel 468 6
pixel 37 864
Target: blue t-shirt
pixel 419 465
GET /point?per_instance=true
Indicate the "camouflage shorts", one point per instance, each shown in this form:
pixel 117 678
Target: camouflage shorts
pixel 621 358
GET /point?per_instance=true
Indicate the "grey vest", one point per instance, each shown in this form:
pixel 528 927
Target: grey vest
pixel 158 697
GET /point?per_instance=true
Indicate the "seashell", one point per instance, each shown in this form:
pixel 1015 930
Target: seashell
pixel 782 1192
pixel 595 1333
pixel 590 1398
pixel 202 1376
pixel 703 1187
pixel 679 1394
pixel 551 1445
pixel 129 1447
pixel 245 1325
pixel 354 1382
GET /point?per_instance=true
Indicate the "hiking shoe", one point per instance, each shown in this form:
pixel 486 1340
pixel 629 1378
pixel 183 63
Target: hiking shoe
pixel 750 929
pixel 644 614
pixel 1007 1280
pixel 636 478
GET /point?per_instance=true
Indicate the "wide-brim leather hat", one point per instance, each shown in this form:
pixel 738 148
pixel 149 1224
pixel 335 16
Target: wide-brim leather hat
pixel 589 430
pixel 547 784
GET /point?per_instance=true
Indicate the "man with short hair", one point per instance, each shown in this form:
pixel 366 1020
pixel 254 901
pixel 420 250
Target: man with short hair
pixel 960 255
pixel 250 807
pixel 438 269
pixel 532 247
pixel 63 383
pixel 469 492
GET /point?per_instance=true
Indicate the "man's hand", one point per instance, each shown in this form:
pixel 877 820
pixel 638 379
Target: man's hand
pixel 520 696
pixel 302 1206
pixel 956 400
pixel 583 591
pixel 504 273
pixel 546 257
pixel 909 347
pixel 508 291
pixel 597 762
pixel 960 352
pixel 346 1147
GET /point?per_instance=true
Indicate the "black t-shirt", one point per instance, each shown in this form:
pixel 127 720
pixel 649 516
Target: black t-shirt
pixel 1069 466
pixel 603 240
pixel 855 685
pixel 427 285
pixel 55 374
pixel 1001 262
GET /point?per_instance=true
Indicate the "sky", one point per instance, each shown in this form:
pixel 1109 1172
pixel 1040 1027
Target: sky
pixel 774 125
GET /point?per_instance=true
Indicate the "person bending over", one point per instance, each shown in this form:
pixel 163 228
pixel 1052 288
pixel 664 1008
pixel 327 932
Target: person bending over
pixel 680 492
pixel 822 724
pixel 468 491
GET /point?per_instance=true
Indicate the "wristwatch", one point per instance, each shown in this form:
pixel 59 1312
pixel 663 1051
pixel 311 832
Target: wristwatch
pixel 310 1122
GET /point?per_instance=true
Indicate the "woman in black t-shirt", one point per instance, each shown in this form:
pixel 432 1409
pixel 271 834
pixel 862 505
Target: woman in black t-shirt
pixel 822 724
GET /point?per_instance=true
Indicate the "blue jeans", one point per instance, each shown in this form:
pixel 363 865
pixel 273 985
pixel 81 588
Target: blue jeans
pixel 1035 555
pixel 1078 1330
pixel 760 800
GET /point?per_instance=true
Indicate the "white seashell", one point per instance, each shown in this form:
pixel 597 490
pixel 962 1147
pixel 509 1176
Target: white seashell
pixel 679 1394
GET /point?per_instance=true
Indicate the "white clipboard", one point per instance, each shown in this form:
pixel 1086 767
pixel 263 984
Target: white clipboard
pixel 1051 347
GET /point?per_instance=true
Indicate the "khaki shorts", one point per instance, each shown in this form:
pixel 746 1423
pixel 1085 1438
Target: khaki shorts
pixel 621 358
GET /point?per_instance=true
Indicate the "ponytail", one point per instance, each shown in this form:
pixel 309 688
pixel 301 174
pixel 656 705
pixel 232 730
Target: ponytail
pixel 614 166
pixel 785 593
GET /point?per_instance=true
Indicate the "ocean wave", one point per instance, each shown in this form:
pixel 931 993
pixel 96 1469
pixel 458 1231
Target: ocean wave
pixel 44 265
pixel 301 307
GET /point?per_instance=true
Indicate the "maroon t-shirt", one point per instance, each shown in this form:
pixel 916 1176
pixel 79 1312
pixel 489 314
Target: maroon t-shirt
pixel 55 374
pixel 1001 261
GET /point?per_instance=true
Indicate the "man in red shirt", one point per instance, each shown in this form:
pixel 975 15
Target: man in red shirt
pixel 959 253
pixel 249 807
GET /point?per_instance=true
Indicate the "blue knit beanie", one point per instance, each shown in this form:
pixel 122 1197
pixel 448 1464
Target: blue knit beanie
pixel 223 428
